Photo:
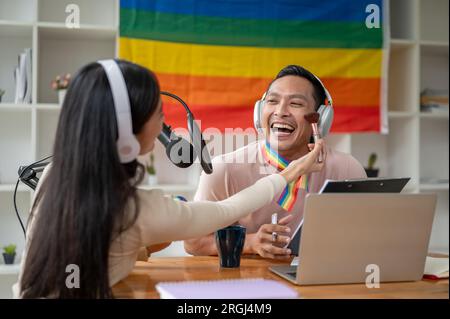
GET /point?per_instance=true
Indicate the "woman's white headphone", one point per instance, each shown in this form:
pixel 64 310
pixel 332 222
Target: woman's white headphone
pixel 127 143
pixel 325 111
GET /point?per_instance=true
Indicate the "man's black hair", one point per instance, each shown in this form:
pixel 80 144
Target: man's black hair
pixel 296 70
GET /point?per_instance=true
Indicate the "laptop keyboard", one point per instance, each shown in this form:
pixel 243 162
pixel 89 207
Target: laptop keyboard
pixel 292 274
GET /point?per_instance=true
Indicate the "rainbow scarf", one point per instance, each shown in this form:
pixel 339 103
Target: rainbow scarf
pixel 289 195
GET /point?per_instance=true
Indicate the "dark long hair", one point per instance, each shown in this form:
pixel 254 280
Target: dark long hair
pixel 82 200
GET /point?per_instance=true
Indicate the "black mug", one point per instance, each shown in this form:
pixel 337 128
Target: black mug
pixel 230 242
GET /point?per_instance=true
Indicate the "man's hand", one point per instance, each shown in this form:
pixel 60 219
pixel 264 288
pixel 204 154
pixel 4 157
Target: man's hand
pixel 261 242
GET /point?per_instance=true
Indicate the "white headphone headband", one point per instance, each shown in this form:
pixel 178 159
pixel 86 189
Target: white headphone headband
pixel 127 144
pixel 327 94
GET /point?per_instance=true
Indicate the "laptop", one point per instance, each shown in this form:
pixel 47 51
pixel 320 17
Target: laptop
pixel 342 234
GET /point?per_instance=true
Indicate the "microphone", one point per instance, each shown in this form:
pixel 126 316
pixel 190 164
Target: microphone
pixel 198 143
pixel 178 150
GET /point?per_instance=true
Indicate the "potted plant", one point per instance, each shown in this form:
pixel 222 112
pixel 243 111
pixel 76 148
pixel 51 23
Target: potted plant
pixel 2 92
pixel 9 253
pixel 152 178
pixel 371 171
pixel 60 84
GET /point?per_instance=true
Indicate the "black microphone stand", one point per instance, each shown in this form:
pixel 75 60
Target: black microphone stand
pixel 28 174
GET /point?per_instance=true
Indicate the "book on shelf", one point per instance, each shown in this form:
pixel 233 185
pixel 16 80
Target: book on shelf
pixel 20 79
pixel 29 80
pixel 23 78
pixel 434 101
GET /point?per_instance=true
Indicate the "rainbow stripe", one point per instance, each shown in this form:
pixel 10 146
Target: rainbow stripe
pixel 220 56
pixel 288 197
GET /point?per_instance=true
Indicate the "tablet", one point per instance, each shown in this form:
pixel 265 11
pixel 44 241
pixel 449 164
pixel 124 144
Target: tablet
pixel 366 185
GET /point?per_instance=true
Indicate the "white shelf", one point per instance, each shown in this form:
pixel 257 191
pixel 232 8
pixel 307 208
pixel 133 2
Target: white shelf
pixel 10 188
pixel 400 115
pixel 431 43
pixel 15 107
pixel 434 116
pixel 48 106
pixel 422 115
pixel 13 269
pixel 433 48
pixel 83 26
pixel 85 32
pixel 12 23
pixel 401 43
pixel 434 187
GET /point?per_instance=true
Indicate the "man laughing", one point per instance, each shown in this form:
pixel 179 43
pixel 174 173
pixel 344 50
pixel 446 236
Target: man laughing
pixel 293 93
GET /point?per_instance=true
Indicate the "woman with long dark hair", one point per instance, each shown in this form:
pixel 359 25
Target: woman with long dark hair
pixel 88 210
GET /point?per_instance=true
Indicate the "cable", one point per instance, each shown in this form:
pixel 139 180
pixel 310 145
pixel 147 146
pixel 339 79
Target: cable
pixel 15 191
pixel 176 97
pixel 17 211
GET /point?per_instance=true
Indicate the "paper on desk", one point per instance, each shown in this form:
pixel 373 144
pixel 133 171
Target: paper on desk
pixel 252 288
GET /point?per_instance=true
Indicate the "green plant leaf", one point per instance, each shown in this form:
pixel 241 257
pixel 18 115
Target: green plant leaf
pixel 372 160
pixel 10 249
pixel 150 167
pixel 151 170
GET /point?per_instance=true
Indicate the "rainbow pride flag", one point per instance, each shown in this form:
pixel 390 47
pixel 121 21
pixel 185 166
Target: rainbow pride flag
pixel 220 55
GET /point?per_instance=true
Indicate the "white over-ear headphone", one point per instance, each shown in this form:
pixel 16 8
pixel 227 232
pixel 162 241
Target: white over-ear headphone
pixel 128 146
pixel 325 111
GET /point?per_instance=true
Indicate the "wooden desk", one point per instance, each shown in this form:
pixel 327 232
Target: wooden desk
pixel 141 282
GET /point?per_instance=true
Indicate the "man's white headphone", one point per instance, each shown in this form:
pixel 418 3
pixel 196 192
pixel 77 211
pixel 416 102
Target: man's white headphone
pixel 325 111
pixel 128 146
